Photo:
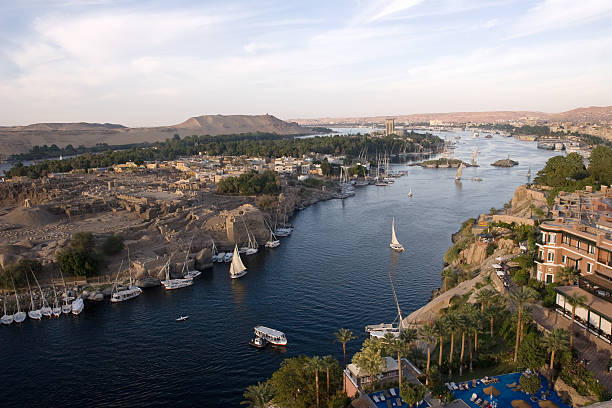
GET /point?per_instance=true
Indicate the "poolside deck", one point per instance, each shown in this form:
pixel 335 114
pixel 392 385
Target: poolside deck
pixel 391 399
pixel 507 395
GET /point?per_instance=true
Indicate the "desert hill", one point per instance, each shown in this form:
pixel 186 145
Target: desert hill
pixel 20 139
pixel 593 114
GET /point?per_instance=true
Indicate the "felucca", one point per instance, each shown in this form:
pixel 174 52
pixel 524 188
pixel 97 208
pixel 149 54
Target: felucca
pixel 237 268
pixel 45 310
pixel 20 316
pixel 273 242
pixel 459 172
pixel 6 319
pixel 395 245
pixel 57 310
pixel 66 307
pixel 187 273
pixel 170 284
pixel 33 313
pixel 131 292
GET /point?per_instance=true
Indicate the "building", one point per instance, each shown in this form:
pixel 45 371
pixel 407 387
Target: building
pixel 580 237
pixel 354 377
pixel 389 126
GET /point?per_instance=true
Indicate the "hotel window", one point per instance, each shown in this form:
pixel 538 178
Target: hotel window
pixel 566 239
pixel 541 255
pixel 543 237
pixel 549 278
pixel 589 268
pixel 564 259
pixel 591 249
pixel 551 238
pixel 551 256
pixel 579 244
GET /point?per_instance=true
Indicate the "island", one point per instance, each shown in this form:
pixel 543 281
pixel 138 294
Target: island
pixel 505 163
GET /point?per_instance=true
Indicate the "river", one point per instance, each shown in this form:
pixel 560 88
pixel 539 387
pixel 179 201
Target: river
pixel 331 273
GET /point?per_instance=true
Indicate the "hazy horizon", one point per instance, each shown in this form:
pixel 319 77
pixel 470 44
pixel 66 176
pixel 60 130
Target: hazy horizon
pixel 150 63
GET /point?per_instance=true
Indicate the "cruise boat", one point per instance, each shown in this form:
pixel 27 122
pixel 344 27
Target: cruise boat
pixel 77 306
pixel 271 336
pixel 237 268
pixel 6 319
pixel 380 330
pixel 131 292
pixel 395 245
pixel 170 284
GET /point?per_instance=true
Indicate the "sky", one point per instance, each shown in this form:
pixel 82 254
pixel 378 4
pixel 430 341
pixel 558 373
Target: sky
pixel 149 63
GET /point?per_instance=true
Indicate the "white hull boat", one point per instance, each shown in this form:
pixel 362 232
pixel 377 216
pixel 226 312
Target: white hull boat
pixel 46 311
pixel 192 274
pixel 237 268
pixel 395 245
pixel 271 336
pixel 66 308
pixel 219 257
pixel 77 306
pixel 34 314
pixel 7 319
pixel 228 257
pixel 172 284
pixel 122 295
pixel 272 244
pixel 20 317
pixel 57 311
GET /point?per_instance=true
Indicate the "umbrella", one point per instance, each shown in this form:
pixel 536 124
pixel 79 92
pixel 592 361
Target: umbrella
pixel 520 404
pixel 548 404
pixel 491 391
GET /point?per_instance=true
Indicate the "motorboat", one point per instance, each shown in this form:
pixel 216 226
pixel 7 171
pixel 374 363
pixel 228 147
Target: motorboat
pixel 395 245
pixel 272 336
pixel 77 306
pixel 182 318
pixel 126 294
pixel 237 268
pixel 258 342
pixel 377 331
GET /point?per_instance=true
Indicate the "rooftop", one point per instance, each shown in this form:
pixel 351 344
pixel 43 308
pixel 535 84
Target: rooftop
pixel 592 302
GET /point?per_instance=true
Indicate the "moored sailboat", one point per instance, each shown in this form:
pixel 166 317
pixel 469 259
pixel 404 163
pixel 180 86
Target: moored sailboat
pixel 237 268
pixel 395 245
pixel 45 310
pixel 410 193
pixel 459 172
pixel 77 306
pixel 130 292
pixel 178 283
pixel 6 319
pixel 273 242
pixel 19 316
pixel 57 310
pixel 33 313
pixel 187 273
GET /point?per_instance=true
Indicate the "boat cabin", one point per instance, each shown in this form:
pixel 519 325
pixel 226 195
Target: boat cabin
pixel 270 335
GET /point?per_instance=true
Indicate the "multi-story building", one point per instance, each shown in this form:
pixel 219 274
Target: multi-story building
pixel 580 238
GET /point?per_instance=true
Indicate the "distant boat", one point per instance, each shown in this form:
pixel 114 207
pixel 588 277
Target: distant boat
pixel 252 247
pixel 45 310
pixel 187 273
pixel 272 336
pixel 395 245
pixel 473 159
pixel 57 310
pixel 66 307
pixel 182 318
pixel 228 257
pixel 19 316
pixel 273 242
pixel 410 193
pixel 258 342
pixel 77 306
pixel 237 268
pixel 475 135
pixel 476 179
pixel 529 172
pixel 459 172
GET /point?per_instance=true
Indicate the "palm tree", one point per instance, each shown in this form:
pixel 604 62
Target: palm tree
pixel 452 325
pixel 344 336
pixel 440 327
pixel 522 296
pixel 569 274
pixel 483 297
pixel 429 335
pixel 463 324
pixel 496 307
pixel 447 273
pixel 556 341
pixel 258 396
pixel 328 363
pixel 315 364
pixel 574 301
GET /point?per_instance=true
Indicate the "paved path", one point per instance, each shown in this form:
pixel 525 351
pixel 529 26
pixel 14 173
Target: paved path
pixel 589 347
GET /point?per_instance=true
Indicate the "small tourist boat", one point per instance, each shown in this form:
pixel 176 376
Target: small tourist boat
pixel 67 306
pixel 379 330
pixel 395 245
pixel 170 284
pixel 187 273
pixel 252 247
pixel 410 193
pixel 237 268
pixel 182 318
pixel 77 306
pixel 273 242
pixel 476 179
pixel 272 336
pixel 19 316
pixel 258 342
pixel 6 319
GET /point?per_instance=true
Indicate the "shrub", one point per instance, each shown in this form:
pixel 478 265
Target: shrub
pixel 113 245
pixel 266 201
pixel 80 262
pixel 18 271
pixel 531 353
pixel 530 384
pixel 491 249
pixel 82 240
pixel 582 380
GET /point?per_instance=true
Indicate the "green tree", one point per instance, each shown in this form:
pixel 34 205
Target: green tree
pixel 569 275
pixel 556 341
pixel 344 336
pixel 531 352
pixel 258 396
pixel 315 364
pixel 328 363
pixel 82 240
pixel 440 326
pixel 293 384
pixel 412 394
pixel 574 301
pixel 600 166
pixel 370 358
pixel 453 324
pixel 18 271
pixel 80 262
pixel 429 335
pixel 530 384
pixel 521 297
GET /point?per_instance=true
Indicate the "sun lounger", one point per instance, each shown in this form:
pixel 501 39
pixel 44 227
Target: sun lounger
pixel 375 398
pixel 392 392
pixel 382 397
pixel 474 396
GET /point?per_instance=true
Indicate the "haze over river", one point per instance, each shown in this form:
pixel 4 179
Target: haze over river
pixel 331 273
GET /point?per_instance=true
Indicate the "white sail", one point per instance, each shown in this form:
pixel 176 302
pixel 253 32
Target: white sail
pixel 237 267
pixel 459 172
pixel 394 240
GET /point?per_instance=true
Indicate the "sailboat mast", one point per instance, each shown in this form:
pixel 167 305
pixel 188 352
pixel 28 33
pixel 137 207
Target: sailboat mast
pixel 15 289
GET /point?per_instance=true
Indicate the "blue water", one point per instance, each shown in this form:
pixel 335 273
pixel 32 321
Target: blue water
pixel 331 273
pixel 508 395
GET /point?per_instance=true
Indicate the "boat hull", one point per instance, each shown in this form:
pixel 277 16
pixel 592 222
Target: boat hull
pixel 7 319
pixel 123 295
pixel 20 317
pixel 272 244
pixel 176 283
pixel 77 307
pixel 192 274
pixel 239 274
pixel 34 314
